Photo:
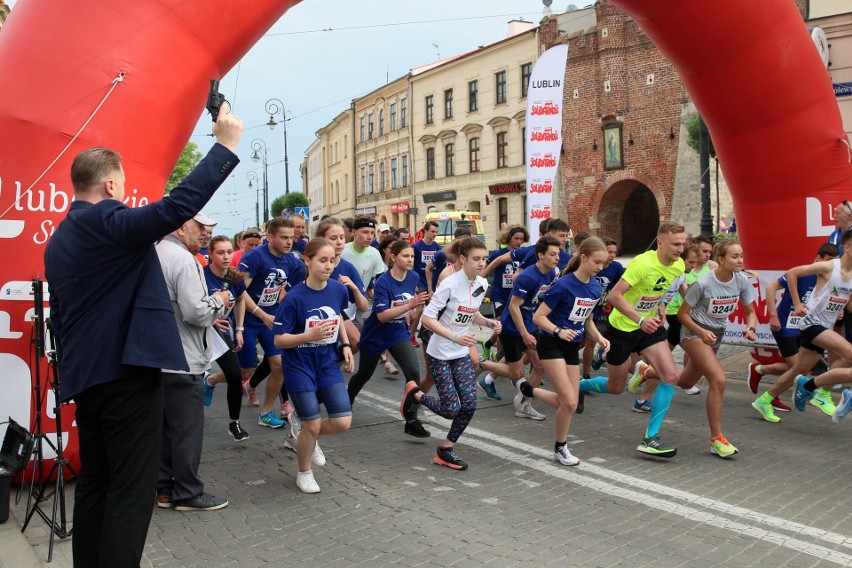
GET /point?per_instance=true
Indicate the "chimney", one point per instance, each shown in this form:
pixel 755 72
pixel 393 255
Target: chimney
pixel 515 26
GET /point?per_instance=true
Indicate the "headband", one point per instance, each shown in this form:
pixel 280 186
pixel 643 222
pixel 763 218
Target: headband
pixel 515 230
pixel 361 223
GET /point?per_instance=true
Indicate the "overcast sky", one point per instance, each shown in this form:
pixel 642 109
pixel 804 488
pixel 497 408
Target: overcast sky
pixel 317 74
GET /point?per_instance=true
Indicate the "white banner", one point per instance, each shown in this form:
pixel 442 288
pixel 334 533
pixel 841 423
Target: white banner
pixel 544 133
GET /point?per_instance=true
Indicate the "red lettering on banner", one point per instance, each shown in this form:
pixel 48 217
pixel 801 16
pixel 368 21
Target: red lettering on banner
pixel 548 135
pixel 542 212
pixel 547 109
pixel 546 187
pixel 548 161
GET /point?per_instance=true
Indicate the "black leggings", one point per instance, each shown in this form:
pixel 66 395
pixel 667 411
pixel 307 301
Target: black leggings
pixel 405 356
pixel 260 373
pixel 230 365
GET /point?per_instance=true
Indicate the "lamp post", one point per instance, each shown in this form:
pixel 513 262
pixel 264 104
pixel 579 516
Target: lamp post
pixel 273 107
pixel 253 177
pixel 257 145
pixel 706 223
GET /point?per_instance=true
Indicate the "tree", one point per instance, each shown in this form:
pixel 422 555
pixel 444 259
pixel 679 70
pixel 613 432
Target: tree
pixel 189 158
pixel 289 201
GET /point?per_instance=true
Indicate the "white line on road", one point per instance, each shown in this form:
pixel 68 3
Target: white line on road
pixel 484 440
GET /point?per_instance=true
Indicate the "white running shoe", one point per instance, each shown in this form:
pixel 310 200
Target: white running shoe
pixel 390 369
pixel 519 402
pixel 565 457
pixel 529 412
pixel 319 457
pixel 293 431
pixel 306 483
pixel 692 390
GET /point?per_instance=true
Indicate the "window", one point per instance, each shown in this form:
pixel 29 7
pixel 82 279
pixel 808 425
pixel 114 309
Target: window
pixel 363 188
pixel 382 175
pixel 448 103
pixel 474 154
pixel 502 150
pixel 370 126
pixel 448 159
pixel 345 145
pixel 526 72
pixel 500 79
pixel 393 117
pixel 404 170
pixel 381 121
pixel 393 173
pixel 362 129
pixel 430 118
pixel 371 180
pixel 502 211
pixel 430 163
pixel 473 96
pixel 403 113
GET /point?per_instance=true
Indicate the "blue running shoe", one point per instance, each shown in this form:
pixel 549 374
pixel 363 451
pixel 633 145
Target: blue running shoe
pixel 642 406
pixel 489 390
pixel 208 390
pixel 598 359
pixel 270 420
pixel 844 407
pixel 802 395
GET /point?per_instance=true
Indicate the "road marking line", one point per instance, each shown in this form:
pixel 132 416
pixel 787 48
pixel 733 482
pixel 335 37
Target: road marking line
pixel 484 441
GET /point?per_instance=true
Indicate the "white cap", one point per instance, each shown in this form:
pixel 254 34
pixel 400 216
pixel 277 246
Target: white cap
pixel 205 220
pixel 383 227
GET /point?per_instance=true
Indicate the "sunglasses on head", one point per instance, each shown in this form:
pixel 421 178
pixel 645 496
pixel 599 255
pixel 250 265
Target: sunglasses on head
pixel 251 236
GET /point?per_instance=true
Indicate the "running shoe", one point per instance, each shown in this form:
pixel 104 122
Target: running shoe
pixel 581 403
pixel 486 351
pixel 527 411
pixel 251 393
pixel 780 406
pixel 753 377
pixel 765 410
pixel 565 457
pixel 237 432
pixel 655 447
pixel 692 390
pixel 292 432
pixel 638 377
pixel 286 408
pixel 642 406
pixel 319 457
pixel 722 447
pixel 519 401
pixel 208 390
pixel 415 428
pixel 414 342
pixel 489 390
pixel 408 406
pixel 844 407
pixel 270 420
pixel 822 400
pixel 586 377
pixel 449 458
pixel 390 369
pixel 306 483
pixel 802 395
pixel 598 358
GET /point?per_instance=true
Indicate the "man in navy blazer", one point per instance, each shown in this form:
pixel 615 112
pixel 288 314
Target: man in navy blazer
pixel 116 329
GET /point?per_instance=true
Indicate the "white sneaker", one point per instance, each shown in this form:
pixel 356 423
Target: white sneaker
pixel 318 458
pixel 519 402
pixel 306 483
pixel 390 369
pixel 565 457
pixel 293 432
pixel 529 412
pixel 692 390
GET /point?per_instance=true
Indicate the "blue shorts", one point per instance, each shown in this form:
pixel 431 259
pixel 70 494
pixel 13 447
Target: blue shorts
pixel 251 336
pixel 334 397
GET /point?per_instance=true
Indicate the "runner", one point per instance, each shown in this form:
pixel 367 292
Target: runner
pixel 565 318
pixel 607 278
pixel 454 306
pixel 504 278
pixel 635 326
pixel 424 251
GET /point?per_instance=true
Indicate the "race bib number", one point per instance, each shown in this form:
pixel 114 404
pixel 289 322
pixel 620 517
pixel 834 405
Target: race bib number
pixel 311 323
pixel 269 296
pixel 397 303
pixel 647 303
pixel 508 280
pixel 722 307
pixel 835 305
pixel 582 309
pixel 463 316
pixel 427 256
pixel 794 322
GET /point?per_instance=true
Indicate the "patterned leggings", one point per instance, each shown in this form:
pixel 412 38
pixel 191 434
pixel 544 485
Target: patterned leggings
pixel 456 386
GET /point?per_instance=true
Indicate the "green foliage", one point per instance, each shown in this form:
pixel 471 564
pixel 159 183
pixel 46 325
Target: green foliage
pixel 189 158
pixel 289 201
pixel 692 135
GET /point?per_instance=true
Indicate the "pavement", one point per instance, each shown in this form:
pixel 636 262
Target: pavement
pixel 782 501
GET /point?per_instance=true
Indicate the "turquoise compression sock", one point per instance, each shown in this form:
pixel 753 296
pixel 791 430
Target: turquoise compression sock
pixel 659 407
pixel 595 384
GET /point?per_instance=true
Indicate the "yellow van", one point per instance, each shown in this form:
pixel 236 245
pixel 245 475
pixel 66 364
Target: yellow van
pixel 449 221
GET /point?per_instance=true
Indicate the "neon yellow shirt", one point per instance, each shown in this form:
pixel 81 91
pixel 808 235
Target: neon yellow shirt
pixel 649 280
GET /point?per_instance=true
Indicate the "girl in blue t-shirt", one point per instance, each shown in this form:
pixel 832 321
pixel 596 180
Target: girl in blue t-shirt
pixel 221 276
pixel 394 295
pixel 307 329
pixel 564 318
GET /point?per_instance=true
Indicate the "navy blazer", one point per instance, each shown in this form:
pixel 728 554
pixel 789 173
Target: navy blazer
pixel 109 304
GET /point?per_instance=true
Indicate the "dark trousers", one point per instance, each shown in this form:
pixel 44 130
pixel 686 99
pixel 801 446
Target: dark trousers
pixel 183 432
pixel 118 424
pixel 230 365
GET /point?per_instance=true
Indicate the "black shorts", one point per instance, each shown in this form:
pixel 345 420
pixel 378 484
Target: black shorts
pixel 498 310
pixel 787 346
pixel 549 347
pixel 623 343
pixel 513 347
pixel 807 337
pixel 674 329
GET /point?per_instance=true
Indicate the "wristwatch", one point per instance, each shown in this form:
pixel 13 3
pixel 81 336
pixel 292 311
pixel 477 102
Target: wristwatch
pixel 557 330
pixel 751 329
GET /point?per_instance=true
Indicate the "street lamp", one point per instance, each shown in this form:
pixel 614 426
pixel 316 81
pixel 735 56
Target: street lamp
pixel 253 177
pixel 273 107
pixel 257 145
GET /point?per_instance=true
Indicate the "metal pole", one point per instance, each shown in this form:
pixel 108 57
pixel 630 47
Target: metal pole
pixel 286 159
pixel 265 187
pixel 253 177
pixel 706 224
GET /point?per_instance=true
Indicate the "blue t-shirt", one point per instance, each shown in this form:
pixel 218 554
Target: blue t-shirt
pixel 571 302
pixel 607 278
pixel 268 272
pixel 423 254
pixel 299 246
pixel 311 366
pixel 346 268
pixel 790 323
pixel 439 263
pixel 529 285
pixel 530 258
pixel 215 284
pixel 501 286
pixel 377 337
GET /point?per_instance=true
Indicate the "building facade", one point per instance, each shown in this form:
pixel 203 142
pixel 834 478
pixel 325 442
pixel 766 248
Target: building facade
pixel 834 17
pixel 338 188
pixel 312 180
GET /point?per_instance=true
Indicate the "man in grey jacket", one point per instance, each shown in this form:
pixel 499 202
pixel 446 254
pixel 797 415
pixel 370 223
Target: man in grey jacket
pixel 196 311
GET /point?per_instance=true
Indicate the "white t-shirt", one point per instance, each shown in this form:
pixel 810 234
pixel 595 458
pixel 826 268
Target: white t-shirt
pixel 368 262
pixel 457 300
